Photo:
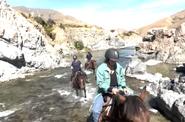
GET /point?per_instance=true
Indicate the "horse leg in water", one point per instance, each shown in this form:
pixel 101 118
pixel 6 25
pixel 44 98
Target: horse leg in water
pixel 93 70
pixel 85 80
pixel 85 92
pixel 93 66
pixel 76 92
pixel 80 83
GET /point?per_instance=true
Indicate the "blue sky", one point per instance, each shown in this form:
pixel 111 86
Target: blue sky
pixel 127 14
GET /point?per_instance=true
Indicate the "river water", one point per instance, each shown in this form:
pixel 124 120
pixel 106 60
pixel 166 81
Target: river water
pixel 47 96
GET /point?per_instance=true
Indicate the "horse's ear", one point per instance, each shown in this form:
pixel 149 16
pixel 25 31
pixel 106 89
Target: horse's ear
pixel 143 93
pixel 121 98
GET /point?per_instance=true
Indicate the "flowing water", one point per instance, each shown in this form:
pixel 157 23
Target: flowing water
pixel 47 96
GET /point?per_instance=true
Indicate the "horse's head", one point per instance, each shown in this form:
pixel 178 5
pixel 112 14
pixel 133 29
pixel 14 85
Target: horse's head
pixel 143 94
pixel 128 109
pixel 133 108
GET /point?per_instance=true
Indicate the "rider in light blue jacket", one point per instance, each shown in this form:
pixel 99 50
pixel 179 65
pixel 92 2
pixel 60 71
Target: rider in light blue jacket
pixel 104 78
pixel 110 79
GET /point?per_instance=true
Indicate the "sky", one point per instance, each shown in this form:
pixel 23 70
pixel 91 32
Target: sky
pixel 110 14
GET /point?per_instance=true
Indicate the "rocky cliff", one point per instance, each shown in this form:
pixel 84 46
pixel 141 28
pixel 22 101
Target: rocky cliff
pixel 22 46
pixel 167 45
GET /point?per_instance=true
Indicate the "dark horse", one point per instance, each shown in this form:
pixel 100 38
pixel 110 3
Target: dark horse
pixel 78 82
pixel 120 108
pixel 91 65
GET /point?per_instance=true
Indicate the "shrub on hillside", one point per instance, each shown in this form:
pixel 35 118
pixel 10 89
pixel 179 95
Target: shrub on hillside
pixel 60 51
pixel 79 45
pixel 50 22
pixel 62 26
pixel 24 15
pixel 48 29
pixel 40 21
pixel 48 26
pixel 29 15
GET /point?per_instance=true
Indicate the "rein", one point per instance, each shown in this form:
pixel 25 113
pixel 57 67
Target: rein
pixel 108 106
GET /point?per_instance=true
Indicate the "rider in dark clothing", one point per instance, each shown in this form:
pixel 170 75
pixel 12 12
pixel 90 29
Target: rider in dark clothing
pixel 76 66
pixel 89 56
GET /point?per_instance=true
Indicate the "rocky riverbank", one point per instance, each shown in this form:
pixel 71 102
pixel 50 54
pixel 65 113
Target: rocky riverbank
pixel 168 94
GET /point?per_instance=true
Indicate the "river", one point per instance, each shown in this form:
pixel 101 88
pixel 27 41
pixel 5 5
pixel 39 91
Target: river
pixel 47 96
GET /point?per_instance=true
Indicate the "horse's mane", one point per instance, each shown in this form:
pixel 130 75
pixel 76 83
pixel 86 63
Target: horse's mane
pixel 128 109
pixel 78 82
pixel 79 75
pixel 134 110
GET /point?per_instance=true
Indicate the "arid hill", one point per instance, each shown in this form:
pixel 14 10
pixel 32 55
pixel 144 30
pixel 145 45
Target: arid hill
pixel 170 22
pixel 47 14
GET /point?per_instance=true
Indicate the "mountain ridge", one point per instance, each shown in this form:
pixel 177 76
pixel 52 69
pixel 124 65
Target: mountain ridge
pixel 49 13
pixel 173 21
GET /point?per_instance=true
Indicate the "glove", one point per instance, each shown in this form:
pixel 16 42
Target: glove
pixel 128 91
pixel 115 90
pixel 125 91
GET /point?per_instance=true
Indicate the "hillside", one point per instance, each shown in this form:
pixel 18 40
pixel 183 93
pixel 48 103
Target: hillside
pixel 47 14
pixel 172 21
pixel 65 31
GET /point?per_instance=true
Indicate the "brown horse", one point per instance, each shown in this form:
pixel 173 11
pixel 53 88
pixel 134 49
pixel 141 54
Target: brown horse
pixel 78 82
pixel 91 65
pixel 120 108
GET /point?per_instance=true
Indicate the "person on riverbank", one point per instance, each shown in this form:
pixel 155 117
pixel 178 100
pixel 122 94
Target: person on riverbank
pixel 109 79
pixel 76 66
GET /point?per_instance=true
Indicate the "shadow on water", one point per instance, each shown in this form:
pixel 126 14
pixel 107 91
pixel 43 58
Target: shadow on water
pixel 48 97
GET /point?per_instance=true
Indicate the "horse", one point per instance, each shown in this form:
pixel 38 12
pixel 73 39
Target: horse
pixel 78 82
pixel 121 108
pixel 91 65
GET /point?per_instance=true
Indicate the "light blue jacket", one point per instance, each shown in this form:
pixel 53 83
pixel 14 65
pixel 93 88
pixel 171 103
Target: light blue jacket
pixel 103 77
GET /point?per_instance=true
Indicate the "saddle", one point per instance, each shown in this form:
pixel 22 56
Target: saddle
pixel 109 102
pixel 107 108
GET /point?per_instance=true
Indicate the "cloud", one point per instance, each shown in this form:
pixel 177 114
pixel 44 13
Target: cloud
pixel 156 4
pixel 127 14
pixel 125 18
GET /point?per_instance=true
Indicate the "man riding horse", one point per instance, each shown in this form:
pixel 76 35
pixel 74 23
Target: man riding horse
pixel 90 63
pixel 89 56
pixel 109 79
pixel 76 66
pixel 78 77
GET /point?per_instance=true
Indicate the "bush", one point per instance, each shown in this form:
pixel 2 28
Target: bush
pixel 79 45
pixel 48 26
pixel 48 29
pixel 50 22
pixel 40 21
pixel 29 15
pixel 60 51
pixel 24 15
pixel 137 48
pixel 62 26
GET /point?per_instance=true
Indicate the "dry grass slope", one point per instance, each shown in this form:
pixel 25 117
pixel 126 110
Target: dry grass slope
pixel 170 22
pixel 49 13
